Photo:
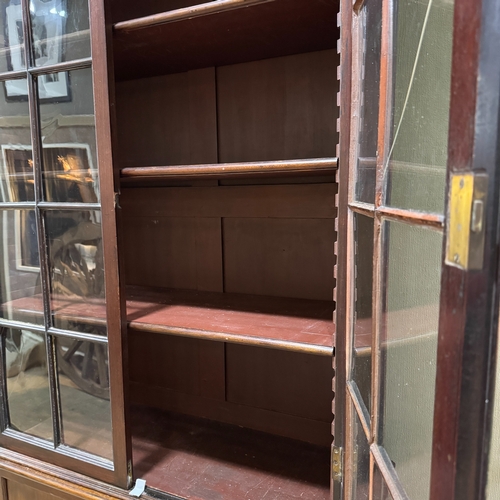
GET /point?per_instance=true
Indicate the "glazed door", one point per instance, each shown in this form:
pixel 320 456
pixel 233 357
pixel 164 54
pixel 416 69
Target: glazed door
pixel 417 235
pixel 61 373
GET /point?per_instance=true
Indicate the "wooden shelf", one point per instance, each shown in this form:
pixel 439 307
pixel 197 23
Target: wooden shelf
pixel 199 10
pixel 280 323
pixel 276 322
pixel 228 35
pixel 317 166
pixel 229 461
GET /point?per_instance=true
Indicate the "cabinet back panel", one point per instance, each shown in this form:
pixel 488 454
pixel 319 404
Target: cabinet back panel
pixel 285 382
pixel 190 366
pixel 168 120
pixel 173 252
pixel 279 257
pixel 305 201
pixel 278 109
pixel 123 10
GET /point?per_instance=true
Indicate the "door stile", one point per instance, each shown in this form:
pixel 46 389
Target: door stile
pixel 103 79
pixel 469 299
pixel 342 334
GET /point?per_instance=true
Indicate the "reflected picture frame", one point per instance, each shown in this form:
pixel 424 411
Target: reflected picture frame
pixel 48 27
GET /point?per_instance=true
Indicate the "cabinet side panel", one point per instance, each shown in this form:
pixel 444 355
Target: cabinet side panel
pixel 168 120
pixel 278 109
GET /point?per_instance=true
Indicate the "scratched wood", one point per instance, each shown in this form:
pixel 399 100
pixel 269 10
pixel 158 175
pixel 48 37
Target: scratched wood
pixel 195 458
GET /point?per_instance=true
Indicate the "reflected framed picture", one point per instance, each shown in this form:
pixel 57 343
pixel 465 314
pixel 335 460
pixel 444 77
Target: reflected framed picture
pixel 48 22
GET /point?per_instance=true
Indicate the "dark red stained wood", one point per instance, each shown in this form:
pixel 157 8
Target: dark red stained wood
pixel 278 109
pixel 306 324
pixel 196 459
pixel 295 324
pixel 278 28
pixel 452 322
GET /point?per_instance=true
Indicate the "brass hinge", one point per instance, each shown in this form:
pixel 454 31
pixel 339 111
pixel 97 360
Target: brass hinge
pixel 337 463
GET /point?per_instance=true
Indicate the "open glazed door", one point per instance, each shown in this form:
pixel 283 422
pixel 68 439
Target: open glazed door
pixel 418 216
pixel 61 314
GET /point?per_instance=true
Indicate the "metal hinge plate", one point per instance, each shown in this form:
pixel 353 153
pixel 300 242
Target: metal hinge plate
pixel 466 225
pixel 337 463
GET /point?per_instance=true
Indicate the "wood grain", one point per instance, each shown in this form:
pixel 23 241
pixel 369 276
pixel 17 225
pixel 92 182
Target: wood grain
pixel 193 458
pixel 304 201
pixel 278 109
pixel 279 257
pixel 168 120
pixel 176 252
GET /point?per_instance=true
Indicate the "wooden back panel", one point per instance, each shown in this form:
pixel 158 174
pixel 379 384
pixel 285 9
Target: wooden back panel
pixel 265 240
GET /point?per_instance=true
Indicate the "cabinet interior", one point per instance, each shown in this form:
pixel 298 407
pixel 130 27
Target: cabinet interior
pixel 229 271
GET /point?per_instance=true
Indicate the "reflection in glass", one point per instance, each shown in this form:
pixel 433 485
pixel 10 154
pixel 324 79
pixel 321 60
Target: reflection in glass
pixel 12 54
pixel 16 164
pixel 362 363
pixel 84 389
pixel 409 351
pixel 76 270
pixel 20 290
pixel 68 140
pixel 27 383
pixel 369 88
pixel 493 484
pixel 380 489
pixel 418 152
pixel 361 473
pixel 60 30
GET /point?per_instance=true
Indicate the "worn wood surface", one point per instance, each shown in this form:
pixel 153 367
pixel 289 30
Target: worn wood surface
pixel 279 257
pixel 278 109
pixel 315 167
pixel 290 201
pixel 273 29
pixel 168 120
pixel 176 252
pixel 195 458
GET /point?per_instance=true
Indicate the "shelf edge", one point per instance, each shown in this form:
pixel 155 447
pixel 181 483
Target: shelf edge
pixel 284 345
pixel 205 9
pixel 319 165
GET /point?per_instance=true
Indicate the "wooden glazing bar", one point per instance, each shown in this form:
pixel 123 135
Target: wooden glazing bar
pixel 12 75
pixel 234 338
pixel 23 205
pixel 90 337
pixel 313 166
pixel 362 208
pixel 361 410
pixel 49 205
pixel 85 62
pixel 205 9
pixel 413 216
pixel 4 401
pixel 389 474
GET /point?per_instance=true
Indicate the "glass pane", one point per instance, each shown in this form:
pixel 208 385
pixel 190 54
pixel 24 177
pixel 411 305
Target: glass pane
pixel 76 270
pixel 417 167
pixel 362 364
pixel 361 463
pixel 412 284
pixel 68 137
pixel 380 490
pixel 27 383
pixel 84 388
pixel 60 30
pixel 493 484
pixel 16 165
pixel 12 55
pixel 369 88
pixel 20 288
